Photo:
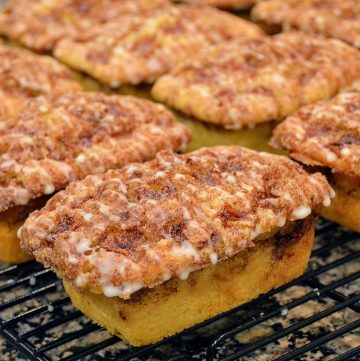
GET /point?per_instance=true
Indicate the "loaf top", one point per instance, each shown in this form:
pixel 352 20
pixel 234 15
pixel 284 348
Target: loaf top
pixel 142 48
pixel 40 24
pixel 250 81
pixel 333 18
pixel 146 223
pixel 56 141
pixel 326 134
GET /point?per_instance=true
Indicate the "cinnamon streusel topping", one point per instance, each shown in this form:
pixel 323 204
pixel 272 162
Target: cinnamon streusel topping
pixel 54 142
pixel 324 134
pixel 137 227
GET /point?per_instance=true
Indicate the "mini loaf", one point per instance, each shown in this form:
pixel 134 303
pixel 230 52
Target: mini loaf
pixel 40 24
pixel 338 19
pixel 140 226
pixel 142 48
pixel 326 136
pixel 250 81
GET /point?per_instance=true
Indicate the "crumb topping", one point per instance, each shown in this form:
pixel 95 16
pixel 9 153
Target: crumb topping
pixel 39 24
pixel 141 48
pixel 242 83
pixel 146 223
pixel 334 18
pixel 24 75
pixel 325 134
pixel 56 141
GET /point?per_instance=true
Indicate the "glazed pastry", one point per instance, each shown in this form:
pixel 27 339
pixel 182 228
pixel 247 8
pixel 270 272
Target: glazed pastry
pixel 225 4
pixel 243 83
pixel 333 18
pixel 24 76
pixel 179 239
pixel 54 142
pixel 39 24
pixel 327 136
pixel 142 48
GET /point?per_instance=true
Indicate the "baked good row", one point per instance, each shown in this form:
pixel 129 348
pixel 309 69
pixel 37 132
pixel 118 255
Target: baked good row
pixel 138 233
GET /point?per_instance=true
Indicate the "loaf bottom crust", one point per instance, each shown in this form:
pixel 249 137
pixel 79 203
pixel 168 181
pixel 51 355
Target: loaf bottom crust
pixel 10 221
pixel 344 209
pixel 153 314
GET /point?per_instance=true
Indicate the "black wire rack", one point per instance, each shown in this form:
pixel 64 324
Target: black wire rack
pixel 316 317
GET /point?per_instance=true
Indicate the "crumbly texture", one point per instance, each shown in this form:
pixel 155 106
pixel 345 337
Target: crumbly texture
pixel 326 134
pixel 246 82
pixel 333 18
pixel 24 75
pixel 141 48
pixel 39 24
pixel 151 315
pixel 146 223
pixel 224 4
pixel 54 142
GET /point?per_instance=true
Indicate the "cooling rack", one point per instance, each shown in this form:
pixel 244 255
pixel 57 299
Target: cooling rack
pixel 316 317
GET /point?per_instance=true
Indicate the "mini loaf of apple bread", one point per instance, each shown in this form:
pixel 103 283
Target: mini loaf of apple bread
pixel 326 137
pixel 250 81
pixel 338 19
pixel 176 240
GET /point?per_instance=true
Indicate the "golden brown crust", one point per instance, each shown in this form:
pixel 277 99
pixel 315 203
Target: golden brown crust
pixel 141 48
pixel 333 18
pixel 325 134
pixel 224 4
pixel 39 24
pixel 256 80
pixel 139 226
pixel 56 141
pixel 24 75
pixel 178 304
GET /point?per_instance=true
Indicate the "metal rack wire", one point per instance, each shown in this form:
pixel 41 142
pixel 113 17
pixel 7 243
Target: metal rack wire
pixel 315 317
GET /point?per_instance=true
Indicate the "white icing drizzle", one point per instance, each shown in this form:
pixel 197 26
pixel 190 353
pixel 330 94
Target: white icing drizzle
pixel 83 245
pixel 326 201
pixel 184 275
pixel 301 212
pixel 214 258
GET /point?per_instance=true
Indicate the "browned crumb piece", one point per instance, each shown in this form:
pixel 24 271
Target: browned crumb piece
pixel 333 18
pixel 225 4
pixel 24 75
pixel 142 48
pixel 54 142
pixel 325 134
pixel 39 24
pixel 137 227
pixel 257 80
